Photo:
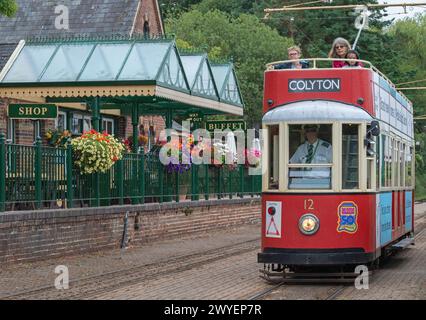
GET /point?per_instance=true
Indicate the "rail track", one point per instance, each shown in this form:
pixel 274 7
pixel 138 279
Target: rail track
pixel 420 228
pixel 87 287
pixel 84 288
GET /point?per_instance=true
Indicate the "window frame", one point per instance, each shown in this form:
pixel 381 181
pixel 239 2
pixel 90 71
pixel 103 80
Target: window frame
pixel 287 165
pixel 336 165
pixel 108 120
pixel 360 152
pixel 65 115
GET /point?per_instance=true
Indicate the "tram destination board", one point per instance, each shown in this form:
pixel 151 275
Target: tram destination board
pixel 314 85
pixel 32 111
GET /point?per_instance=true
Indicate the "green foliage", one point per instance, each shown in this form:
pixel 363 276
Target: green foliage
pixel 239 31
pixel 244 39
pixel 231 7
pixel 8 7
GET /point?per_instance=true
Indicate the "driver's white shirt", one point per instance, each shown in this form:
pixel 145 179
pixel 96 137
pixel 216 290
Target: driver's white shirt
pixel 322 153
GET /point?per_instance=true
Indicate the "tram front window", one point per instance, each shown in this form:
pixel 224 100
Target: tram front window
pixel 350 162
pixel 311 156
pixel 273 138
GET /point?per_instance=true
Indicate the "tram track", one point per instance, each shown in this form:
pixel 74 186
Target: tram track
pixel 92 286
pixel 420 228
pixel 84 288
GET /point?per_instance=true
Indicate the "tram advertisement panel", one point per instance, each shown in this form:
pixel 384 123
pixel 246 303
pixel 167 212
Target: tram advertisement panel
pixel 385 201
pixel 408 210
pixel 391 107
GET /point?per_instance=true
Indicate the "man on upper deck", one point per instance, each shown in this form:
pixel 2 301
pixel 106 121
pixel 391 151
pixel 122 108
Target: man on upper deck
pixel 294 53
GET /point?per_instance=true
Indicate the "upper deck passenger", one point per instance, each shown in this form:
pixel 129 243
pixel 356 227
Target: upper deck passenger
pixel 294 53
pixel 340 48
pixel 352 54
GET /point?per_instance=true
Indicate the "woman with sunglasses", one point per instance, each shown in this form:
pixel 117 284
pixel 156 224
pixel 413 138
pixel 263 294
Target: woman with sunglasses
pixel 340 48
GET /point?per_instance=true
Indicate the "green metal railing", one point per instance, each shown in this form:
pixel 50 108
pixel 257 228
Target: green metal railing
pixel 36 177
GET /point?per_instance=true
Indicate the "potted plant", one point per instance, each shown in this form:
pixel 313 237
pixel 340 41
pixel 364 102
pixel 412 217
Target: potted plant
pixel 57 138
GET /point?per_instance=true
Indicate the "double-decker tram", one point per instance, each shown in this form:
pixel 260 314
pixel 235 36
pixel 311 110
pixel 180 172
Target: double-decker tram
pixel 338 185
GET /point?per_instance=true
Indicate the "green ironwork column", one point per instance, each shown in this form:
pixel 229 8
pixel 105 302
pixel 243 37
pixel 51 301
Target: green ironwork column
pixel 142 175
pixel 241 181
pixel 169 125
pixel 120 181
pixel 135 145
pixel 218 182
pixel 206 182
pixel 2 172
pixel 95 125
pixel 95 105
pixel 37 172
pixel 194 182
pixel 230 183
pixel 135 124
pixel 177 190
pixel 70 189
pixel 69 121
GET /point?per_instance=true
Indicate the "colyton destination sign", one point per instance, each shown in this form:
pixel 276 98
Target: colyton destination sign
pixel 314 85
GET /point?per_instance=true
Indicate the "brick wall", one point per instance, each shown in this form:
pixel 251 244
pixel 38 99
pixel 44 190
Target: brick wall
pixel 148 12
pixel 36 235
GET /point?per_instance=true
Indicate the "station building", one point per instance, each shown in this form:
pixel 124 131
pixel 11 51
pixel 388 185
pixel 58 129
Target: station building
pixel 91 18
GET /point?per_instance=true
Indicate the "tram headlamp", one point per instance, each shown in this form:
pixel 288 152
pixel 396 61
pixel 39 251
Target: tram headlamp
pixel 308 224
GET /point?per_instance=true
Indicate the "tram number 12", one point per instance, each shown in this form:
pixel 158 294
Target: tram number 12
pixel 309 204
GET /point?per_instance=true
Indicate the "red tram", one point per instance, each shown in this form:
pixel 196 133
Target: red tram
pixel 338 185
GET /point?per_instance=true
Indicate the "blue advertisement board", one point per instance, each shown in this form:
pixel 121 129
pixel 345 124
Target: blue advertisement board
pixel 385 207
pixel 408 210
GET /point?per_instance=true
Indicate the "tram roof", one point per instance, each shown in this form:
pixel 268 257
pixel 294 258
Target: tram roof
pixel 316 111
pixel 129 62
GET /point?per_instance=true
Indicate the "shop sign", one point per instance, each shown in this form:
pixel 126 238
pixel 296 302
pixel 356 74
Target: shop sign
pixel 32 111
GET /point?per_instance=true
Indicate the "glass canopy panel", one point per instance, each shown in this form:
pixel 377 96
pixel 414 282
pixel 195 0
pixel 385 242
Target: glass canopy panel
pixel 191 65
pixel 172 73
pixel 204 83
pixel 144 61
pixel 30 63
pixel 105 62
pixel 67 62
pixel 219 74
pixel 231 90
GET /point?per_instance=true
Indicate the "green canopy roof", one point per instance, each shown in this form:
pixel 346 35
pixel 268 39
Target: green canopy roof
pixel 91 63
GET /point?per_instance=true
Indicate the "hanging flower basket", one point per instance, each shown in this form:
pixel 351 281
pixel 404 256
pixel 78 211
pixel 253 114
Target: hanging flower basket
pixel 96 152
pixel 252 158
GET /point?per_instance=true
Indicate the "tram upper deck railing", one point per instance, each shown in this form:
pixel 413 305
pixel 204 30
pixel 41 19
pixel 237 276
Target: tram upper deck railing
pixel 314 65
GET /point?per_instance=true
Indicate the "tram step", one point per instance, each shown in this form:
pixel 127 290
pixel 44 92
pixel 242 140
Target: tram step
pixel 404 243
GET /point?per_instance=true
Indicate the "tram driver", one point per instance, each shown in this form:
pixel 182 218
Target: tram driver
pixel 313 150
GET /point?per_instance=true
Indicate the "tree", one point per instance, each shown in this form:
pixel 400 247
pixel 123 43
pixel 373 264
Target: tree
pixel 8 8
pixel 244 39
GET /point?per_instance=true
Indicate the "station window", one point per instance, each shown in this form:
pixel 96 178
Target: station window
pixel 311 156
pixel 350 156
pixel 61 121
pixel 108 125
pixel 11 132
pixel 273 138
pixel 81 123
